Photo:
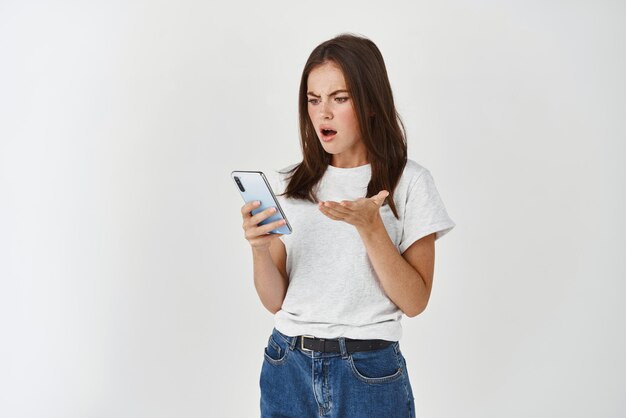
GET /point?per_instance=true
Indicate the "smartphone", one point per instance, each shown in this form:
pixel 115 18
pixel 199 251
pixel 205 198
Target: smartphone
pixel 253 185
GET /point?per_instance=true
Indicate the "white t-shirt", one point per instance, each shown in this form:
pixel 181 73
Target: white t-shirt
pixel 333 288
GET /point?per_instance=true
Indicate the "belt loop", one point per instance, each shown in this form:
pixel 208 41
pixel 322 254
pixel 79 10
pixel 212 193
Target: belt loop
pixel 342 347
pixel 292 342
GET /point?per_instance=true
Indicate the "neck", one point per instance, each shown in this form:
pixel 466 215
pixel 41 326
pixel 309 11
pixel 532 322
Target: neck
pixel 348 161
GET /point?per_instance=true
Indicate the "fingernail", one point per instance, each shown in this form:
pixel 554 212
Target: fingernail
pixel 256 203
pixel 272 210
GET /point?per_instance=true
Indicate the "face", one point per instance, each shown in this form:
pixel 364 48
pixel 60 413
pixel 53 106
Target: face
pixel 332 114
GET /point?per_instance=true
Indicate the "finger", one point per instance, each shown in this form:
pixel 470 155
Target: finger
pixel 334 218
pixel 251 221
pixel 382 194
pixel 337 208
pixel 265 229
pixel 380 197
pixel 261 216
pixel 260 231
pixel 248 207
pixel 336 215
pixel 327 213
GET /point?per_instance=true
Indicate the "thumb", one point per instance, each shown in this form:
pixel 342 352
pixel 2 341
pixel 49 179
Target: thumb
pixel 380 197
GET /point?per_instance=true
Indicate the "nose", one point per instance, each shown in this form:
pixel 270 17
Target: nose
pixel 325 111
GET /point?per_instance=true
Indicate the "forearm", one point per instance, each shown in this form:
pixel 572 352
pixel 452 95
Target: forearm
pixel 269 283
pixel 401 282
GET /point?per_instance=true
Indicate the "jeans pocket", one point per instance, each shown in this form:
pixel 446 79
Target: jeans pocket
pixel 377 366
pixel 275 352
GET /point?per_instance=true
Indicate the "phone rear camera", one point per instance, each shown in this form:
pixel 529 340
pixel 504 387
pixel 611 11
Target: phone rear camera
pixel 239 184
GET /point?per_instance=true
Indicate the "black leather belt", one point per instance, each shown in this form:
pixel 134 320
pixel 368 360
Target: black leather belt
pixel 323 345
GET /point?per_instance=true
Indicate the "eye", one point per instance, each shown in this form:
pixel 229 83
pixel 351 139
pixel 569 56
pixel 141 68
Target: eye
pixel 341 99
pixel 313 101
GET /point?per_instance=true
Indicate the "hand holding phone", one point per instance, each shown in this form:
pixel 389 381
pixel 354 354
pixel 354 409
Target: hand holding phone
pixel 259 236
pixel 253 186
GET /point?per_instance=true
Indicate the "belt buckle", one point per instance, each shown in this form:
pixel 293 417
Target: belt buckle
pixel 302 337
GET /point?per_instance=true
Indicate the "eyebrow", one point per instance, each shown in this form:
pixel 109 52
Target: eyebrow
pixel 310 93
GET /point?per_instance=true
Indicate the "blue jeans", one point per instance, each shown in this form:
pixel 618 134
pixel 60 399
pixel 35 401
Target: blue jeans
pixel 303 384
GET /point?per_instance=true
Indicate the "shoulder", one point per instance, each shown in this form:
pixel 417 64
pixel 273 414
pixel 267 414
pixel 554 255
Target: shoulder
pixel 286 172
pixel 281 177
pixel 413 171
pixel 288 169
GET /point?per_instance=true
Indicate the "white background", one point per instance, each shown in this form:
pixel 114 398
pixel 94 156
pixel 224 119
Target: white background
pixel 125 281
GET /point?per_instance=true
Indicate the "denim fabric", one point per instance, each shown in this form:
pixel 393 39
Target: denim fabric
pixel 301 384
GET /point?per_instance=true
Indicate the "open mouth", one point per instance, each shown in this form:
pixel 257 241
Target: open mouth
pixel 328 134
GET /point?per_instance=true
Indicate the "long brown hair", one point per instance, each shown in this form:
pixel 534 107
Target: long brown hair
pixel 381 128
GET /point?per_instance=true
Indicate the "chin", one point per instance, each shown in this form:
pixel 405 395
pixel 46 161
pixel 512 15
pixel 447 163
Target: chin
pixel 331 151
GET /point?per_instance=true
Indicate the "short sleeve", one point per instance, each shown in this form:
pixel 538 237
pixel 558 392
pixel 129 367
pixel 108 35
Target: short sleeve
pixel 424 212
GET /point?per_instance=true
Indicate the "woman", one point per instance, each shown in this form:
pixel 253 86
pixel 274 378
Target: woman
pixel 365 220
